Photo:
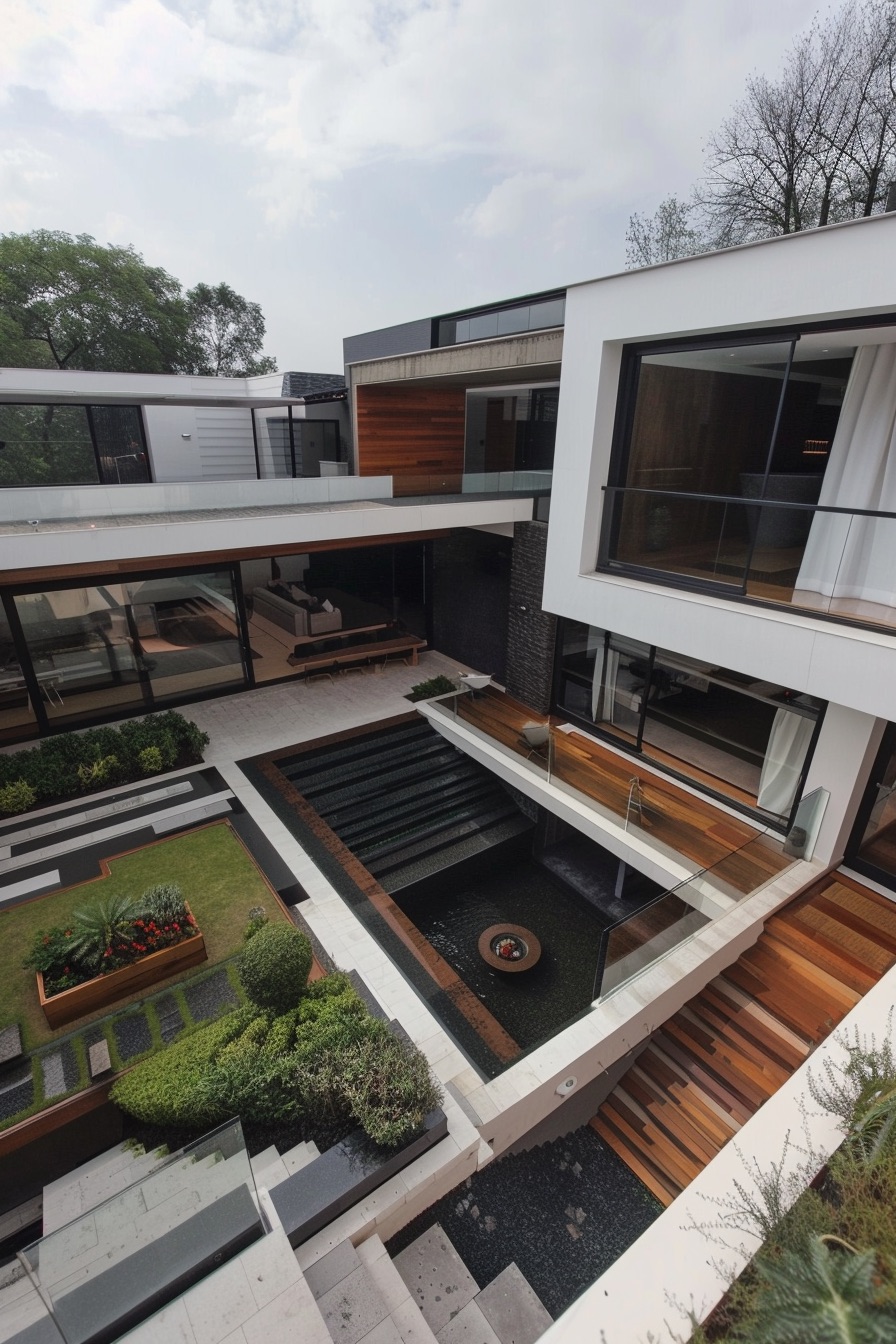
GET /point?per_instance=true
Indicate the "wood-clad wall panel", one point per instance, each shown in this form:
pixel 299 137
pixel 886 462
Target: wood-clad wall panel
pixel 415 435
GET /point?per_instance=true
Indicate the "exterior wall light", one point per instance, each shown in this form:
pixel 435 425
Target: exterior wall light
pixel 563 1089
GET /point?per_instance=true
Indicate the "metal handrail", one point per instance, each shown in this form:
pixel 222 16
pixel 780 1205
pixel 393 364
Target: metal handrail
pixel 747 501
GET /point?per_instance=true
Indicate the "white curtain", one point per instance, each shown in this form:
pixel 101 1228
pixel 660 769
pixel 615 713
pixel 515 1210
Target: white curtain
pixel 788 743
pixel 606 710
pixel 846 556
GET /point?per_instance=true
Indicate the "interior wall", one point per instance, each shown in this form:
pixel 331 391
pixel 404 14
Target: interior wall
pixel 414 434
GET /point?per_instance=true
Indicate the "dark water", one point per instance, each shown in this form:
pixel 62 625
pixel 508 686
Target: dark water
pixel 530 1005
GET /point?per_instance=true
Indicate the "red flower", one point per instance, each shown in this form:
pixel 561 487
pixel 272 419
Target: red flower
pixel 108 952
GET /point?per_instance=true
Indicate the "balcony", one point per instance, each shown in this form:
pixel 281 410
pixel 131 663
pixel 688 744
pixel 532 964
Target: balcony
pixel 816 559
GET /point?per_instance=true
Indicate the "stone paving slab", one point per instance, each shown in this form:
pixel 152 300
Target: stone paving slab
pixel 512 1308
pixel 469 1326
pixel 29 885
pixel 332 1268
pixel 438 1280
pixel 352 1308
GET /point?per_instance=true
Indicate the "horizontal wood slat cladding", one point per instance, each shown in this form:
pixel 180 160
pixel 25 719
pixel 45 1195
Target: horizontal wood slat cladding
pixel 411 432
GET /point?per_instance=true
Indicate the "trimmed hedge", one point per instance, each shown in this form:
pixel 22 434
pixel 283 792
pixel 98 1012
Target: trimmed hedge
pixel 70 764
pixel 323 1067
pixel 275 965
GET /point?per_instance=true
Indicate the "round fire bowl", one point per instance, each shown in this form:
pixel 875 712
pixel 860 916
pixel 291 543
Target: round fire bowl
pixel 509 947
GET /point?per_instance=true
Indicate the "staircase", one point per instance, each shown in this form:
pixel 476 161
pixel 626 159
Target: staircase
pixel 711 1066
pixel 425 1296
pixel 266 1291
pixel 405 801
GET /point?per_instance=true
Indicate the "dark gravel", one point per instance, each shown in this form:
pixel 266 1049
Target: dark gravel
pixel 132 1035
pixel 17 1090
pixel 564 1211
pixel 170 1017
pixel 206 998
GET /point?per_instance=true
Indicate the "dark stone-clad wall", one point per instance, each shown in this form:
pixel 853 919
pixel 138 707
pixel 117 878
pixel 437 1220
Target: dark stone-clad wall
pixel 531 632
pixel 470 587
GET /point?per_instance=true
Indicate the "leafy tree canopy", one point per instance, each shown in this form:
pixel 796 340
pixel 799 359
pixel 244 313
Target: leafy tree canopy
pixel 71 303
pixel 227 332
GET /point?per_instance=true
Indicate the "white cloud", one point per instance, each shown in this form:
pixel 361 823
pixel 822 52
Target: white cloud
pixel 585 98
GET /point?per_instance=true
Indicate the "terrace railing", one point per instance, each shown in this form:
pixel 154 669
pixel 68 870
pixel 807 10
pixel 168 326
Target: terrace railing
pixel 839 562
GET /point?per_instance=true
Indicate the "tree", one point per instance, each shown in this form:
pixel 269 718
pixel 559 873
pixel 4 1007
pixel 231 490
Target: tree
pixel 815 146
pixel 227 332
pixel 670 233
pixel 70 303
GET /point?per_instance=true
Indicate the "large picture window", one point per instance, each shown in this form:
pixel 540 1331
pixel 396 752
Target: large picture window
pixel 713 445
pixel 741 737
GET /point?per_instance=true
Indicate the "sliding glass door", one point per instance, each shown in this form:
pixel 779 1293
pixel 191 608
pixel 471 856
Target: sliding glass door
pixel 872 848
pixel 746 739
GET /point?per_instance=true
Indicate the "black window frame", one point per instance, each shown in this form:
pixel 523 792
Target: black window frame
pixel 637 752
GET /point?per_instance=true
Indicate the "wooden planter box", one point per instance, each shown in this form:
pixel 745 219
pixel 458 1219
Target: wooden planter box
pixel 71 1004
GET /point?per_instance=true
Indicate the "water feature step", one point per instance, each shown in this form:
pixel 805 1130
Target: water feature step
pixel 435 832
pixel 392 816
pixel 383 780
pixel 437 860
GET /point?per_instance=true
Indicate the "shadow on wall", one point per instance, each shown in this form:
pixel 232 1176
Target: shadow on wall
pixel 470 593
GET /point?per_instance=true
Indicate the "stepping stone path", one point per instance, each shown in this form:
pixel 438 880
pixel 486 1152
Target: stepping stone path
pixel 207 997
pixel 132 1035
pixel 170 1018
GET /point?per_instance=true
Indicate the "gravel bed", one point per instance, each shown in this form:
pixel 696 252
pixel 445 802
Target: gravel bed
pixel 207 997
pixel 564 1211
pixel 132 1035
pixel 18 1091
pixel 170 1017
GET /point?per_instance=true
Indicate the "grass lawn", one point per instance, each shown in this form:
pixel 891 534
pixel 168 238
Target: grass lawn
pixel 216 873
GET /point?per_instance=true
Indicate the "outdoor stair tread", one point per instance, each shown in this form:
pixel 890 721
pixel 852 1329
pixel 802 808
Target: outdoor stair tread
pixel 657 1182
pixel 649 1141
pixel 347 821
pixel 793 1010
pixel 706 1078
pixel 734 1046
pixel 851 972
pixel 730 1070
pixel 754 1023
pixel 667 1154
pixel 671 1117
pixel 697 1104
pixel 373 745
pixel 814 981
pixel 387 768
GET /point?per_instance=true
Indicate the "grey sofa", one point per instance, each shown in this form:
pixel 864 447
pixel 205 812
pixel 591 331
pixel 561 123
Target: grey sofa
pixel 294 619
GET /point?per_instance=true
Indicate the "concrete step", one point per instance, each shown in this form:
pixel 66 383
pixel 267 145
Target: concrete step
pixel 438 1280
pixel 92 1184
pixel 300 1156
pixel 511 1308
pixel 22 1312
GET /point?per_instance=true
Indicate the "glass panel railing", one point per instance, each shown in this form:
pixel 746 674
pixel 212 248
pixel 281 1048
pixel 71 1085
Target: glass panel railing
pixel 722 874
pixel 473 483
pixel 811 557
pixel 649 933
pixel 121 1261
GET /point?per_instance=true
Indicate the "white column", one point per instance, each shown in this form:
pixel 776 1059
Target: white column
pixel 845 752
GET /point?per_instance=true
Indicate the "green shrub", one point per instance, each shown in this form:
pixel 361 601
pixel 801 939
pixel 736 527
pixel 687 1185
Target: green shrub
pixel 424 690
pixel 102 930
pixel 149 761
pixel 96 774
pixel 69 764
pixel 388 1086
pixel 17 796
pixel 274 967
pixel 258 917
pixel 170 1087
pixel 53 954
pixel 165 904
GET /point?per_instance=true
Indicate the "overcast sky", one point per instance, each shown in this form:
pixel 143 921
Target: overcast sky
pixel 353 163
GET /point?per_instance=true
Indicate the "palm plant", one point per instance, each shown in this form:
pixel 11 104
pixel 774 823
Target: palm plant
pixel 101 926
pixel 825 1294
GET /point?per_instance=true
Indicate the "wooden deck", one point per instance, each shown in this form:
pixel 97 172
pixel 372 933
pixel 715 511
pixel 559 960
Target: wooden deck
pixel 713 1064
pixel 739 854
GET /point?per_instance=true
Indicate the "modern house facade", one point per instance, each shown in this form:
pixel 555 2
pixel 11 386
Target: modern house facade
pixel 657 508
